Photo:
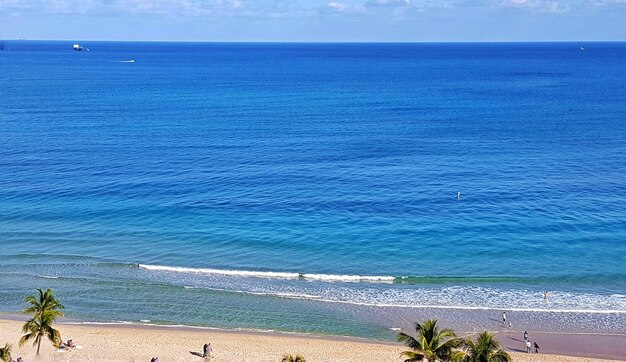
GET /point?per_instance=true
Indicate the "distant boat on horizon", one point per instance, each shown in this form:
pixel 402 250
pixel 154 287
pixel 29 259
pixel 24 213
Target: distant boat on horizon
pixel 78 48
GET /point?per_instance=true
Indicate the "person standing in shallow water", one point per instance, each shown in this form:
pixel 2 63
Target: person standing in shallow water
pixel 525 335
pixel 504 318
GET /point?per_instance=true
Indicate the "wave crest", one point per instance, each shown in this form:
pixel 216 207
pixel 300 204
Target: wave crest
pixel 274 275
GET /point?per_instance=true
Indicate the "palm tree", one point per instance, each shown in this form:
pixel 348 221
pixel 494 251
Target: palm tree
pixel 5 353
pixel 45 302
pixel 430 344
pixel 291 358
pixel 485 349
pixel 38 328
pixel 45 309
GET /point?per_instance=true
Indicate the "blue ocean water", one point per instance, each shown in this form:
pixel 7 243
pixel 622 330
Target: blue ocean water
pixel 264 185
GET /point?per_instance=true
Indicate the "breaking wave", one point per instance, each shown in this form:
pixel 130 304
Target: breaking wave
pixel 275 275
pixel 470 293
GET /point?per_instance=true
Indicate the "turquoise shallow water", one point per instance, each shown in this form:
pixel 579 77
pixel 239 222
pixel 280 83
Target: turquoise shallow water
pixel 297 186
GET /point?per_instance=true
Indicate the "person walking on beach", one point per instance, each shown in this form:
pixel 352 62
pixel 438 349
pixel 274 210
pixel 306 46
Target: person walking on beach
pixel 536 348
pixel 504 318
pixel 207 351
pixel 528 346
pixel 525 336
pixel 510 324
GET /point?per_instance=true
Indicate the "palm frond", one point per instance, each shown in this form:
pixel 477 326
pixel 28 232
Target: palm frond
pixel 53 335
pixel 459 356
pixel 5 352
pixel 291 358
pixel 412 356
pixel 25 338
pixel 430 343
pixel 450 343
pixel 500 356
pixel 418 327
pixel 485 349
pixel 42 302
pixel 429 330
pixel 408 341
pixel 447 333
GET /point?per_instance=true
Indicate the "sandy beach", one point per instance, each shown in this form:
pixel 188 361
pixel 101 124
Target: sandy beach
pixel 141 343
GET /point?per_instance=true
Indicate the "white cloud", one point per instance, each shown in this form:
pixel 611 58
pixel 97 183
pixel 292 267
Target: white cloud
pixel 337 6
pixel 545 6
pixel 390 9
pixel 605 2
pixel 187 7
pixel 387 3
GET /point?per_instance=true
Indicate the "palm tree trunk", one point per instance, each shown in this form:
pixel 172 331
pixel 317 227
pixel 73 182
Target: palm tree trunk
pixel 38 344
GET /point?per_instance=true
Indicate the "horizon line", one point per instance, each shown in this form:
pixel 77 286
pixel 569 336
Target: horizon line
pixel 321 42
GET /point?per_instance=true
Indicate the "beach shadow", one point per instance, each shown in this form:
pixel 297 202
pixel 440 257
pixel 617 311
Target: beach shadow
pixel 197 354
pixel 515 339
pixel 495 320
pixel 518 350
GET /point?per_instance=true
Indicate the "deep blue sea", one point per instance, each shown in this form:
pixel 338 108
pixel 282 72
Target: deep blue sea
pixel 289 186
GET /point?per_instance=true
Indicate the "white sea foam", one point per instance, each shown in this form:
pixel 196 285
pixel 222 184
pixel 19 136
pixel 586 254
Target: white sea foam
pixel 273 275
pixel 383 302
pixel 461 296
pixel 112 323
pixel 48 277
pixel 471 307
pixel 396 303
pixel 275 294
pixel 350 278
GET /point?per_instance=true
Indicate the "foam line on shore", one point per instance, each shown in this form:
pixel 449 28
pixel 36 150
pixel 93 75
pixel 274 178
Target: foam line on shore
pixel 417 306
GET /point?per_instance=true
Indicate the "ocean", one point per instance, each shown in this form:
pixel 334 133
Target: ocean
pixel 315 188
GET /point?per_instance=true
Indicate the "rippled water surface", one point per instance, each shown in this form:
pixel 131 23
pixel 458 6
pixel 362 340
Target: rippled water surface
pixel 300 187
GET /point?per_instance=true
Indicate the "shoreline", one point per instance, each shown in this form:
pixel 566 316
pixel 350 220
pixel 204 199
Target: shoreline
pixel 173 343
pixel 19 318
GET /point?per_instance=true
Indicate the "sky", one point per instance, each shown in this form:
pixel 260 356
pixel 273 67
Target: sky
pixel 315 20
